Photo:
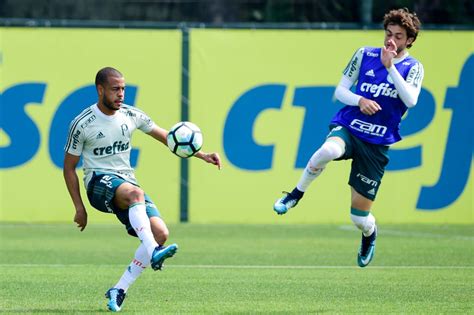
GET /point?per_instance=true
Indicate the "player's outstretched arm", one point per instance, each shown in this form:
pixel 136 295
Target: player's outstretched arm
pixel 159 134
pixel 72 183
pixel 212 158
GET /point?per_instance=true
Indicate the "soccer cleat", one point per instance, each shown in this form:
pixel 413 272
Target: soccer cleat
pixel 367 249
pixel 116 297
pixel 286 202
pixel 160 254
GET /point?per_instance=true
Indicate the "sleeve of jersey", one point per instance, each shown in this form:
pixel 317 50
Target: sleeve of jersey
pixel 75 140
pixel 353 67
pixel 344 94
pixel 351 73
pixel 144 123
pixel 408 90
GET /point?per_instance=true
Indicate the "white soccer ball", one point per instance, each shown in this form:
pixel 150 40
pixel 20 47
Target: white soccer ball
pixel 184 139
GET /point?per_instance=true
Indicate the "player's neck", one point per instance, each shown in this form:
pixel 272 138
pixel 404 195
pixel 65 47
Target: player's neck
pixel 402 54
pixel 105 110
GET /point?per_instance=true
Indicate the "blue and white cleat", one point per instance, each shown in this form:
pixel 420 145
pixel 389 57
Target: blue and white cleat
pixel 116 297
pixel 160 254
pixel 367 249
pixel 286 202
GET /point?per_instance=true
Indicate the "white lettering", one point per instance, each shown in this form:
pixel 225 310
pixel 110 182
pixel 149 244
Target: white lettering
pixel 369 128
pixel 379 89
pixel 367 180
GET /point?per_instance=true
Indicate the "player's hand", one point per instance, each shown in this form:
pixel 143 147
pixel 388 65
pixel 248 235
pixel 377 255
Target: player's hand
pixel 81 218
pixel 389 51
pixel 212 158
pixel 368 107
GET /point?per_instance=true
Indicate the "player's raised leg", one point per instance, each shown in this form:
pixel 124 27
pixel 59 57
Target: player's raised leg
pixel 365 221
pixel 332 149
pixel 162 252
pixel 133 197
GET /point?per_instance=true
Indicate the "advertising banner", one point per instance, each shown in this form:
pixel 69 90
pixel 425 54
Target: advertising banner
pixel 265 98
pixel 47 78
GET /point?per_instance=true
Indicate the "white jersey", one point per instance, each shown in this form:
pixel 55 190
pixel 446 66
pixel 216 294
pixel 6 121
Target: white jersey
pixel 104 141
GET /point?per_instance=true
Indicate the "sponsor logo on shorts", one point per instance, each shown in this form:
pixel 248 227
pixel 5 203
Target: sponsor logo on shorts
pixel 368 181
pixel 107 205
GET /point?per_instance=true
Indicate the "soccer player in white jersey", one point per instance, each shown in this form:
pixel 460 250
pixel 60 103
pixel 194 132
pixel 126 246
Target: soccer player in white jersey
pixel 101 135
pixel 388 82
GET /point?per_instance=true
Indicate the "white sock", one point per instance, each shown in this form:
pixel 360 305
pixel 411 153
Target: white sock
pixel 365 223
pixel 329 151
pixel 135 269
pixel 141 224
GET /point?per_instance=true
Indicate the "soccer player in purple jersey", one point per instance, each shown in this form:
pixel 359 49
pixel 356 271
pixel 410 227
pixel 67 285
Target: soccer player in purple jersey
pixel 388 82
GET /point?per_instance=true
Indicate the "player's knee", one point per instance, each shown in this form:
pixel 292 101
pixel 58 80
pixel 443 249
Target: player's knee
pixel 363 223
pixel 332 150
pixel 161 235
pixel 136 194
pixel 329 151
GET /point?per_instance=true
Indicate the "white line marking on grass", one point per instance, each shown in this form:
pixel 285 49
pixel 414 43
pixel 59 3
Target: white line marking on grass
pixel 383 231
pixel 237 266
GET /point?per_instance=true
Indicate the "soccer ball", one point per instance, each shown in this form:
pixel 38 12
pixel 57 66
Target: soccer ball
pixel 184 139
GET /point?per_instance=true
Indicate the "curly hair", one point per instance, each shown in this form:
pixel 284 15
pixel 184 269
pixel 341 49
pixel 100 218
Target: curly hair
pixel 403 17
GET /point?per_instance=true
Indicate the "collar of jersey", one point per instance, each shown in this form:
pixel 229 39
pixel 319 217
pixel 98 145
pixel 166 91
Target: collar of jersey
pixel 99 113
pixel 397 60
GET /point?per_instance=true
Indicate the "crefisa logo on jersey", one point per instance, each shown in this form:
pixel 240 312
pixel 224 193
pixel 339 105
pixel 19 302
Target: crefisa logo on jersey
pixel 117 147
pixel 376 90
pixel 75 139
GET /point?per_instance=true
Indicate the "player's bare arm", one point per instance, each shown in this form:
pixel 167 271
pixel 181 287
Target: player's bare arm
pixel 212 158
pixel 72 183
pixel 160 134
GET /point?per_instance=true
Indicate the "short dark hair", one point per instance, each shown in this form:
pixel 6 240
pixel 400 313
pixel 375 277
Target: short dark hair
pixel 104 73
pixel 404 18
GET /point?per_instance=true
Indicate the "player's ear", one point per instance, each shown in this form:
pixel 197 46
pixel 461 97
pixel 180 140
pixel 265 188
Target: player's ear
pixel 100 89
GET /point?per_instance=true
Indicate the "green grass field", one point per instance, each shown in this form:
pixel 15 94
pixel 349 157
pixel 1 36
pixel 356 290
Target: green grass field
pixel 240 269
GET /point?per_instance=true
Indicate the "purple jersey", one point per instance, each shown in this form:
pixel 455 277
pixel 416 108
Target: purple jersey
pixel 374 83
